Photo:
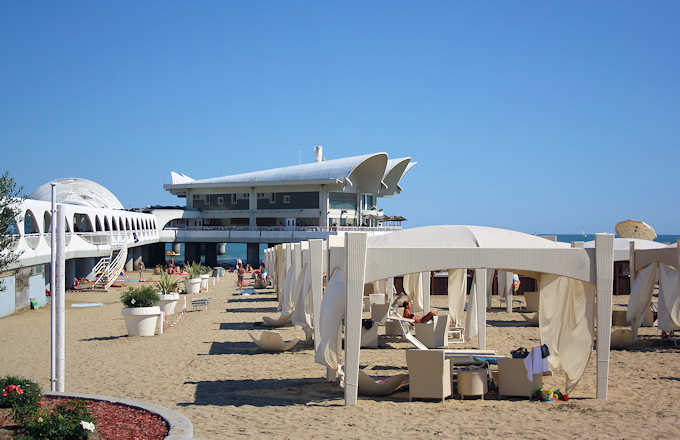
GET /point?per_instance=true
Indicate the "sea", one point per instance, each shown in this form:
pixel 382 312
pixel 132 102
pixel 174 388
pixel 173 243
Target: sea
pixel 238 250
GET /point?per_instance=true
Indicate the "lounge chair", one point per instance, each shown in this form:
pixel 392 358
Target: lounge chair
pixel 282 320
pixel 434 334
pixel 368 386
pixel 272 342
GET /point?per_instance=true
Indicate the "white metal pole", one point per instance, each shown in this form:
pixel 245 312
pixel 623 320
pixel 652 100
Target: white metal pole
pixel 59 299
pixel 604 267
pixel 53 289
pixel 481 285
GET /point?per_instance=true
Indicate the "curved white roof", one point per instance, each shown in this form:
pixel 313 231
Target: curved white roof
pixel 361 173
pixel 460 236
pixel 622 246
pixel 77 191
pixel 395 170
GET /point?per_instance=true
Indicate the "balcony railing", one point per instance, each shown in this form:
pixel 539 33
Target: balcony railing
pixel 286 228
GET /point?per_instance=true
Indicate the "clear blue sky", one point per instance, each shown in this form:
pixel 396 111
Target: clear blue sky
pixel 538 116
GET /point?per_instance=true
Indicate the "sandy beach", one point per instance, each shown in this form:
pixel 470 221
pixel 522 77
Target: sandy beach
pixel 206 367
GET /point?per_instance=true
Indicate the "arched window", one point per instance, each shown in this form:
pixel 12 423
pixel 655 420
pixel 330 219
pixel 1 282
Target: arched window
pixel 137 221
pixel 81 223
pixel 47 222
pixel 97 224
pixel 127 224
pixel 106 224
pixel 114 224
pixel 30 223
pixel 12 228
pixel 121 227
pixel 67 228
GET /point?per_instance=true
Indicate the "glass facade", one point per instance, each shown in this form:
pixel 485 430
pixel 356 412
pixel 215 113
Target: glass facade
pixel 225 201
pixel 288 200
pixel 342 200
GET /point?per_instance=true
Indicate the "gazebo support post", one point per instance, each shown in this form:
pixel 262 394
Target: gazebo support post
pixel 604 266
pixel 480 285
pixel 355 262
pixel 316 257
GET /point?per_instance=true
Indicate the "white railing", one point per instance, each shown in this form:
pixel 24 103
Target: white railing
pixel 286 228
pixel 32 240
pixel 106 238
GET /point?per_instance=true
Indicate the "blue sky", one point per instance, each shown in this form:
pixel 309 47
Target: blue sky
pixel 538 116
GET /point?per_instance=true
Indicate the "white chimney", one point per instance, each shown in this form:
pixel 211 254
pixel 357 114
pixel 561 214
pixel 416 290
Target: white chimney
pixel 318 153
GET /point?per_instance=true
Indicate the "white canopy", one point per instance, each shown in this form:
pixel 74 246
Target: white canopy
pixel 622 246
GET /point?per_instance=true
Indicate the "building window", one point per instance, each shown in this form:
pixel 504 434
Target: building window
pixel 272 198
pixel 243 196
pixel 286 199
pixel 220 201
pixel 340 200
pixel 233 199
pixel 261 196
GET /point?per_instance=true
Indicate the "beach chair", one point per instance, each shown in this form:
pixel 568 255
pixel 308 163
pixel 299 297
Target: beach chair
pixel 197 303
pixel 434 333
pixel 429 374
pixel 272 342
pixel 369 386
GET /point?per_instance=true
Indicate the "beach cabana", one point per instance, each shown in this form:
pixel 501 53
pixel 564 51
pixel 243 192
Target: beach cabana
pixel 649 267
pixel 572 279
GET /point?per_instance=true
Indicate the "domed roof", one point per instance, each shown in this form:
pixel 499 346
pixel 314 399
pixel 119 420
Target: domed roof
pixel 76 191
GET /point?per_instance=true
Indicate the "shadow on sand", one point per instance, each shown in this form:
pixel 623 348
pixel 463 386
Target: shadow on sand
pixel 263 392
pixel 250 299
pixel 238 326
pixel 497 323
pixel 253 310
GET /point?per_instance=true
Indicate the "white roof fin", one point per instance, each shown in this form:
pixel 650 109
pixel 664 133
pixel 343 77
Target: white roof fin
pixel 178 178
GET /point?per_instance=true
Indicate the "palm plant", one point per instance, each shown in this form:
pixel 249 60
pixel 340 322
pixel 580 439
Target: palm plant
pixel 167 284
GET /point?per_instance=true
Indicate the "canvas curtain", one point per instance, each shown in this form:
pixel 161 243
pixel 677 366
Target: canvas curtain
pixel 413 286
pixel 333 311
pixel 302 314
pixel 669 299
pixel 457 289
pixel 471 328
pixel 641 296
pixel 567 321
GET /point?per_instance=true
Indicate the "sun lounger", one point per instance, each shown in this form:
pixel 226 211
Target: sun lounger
pixel 282 320
pixel 197 303
pixel 271 341
pixel 368 386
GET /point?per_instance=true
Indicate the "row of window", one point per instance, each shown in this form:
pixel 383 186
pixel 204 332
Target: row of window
pixel 82 223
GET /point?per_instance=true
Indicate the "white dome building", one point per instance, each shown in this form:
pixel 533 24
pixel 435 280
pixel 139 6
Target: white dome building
pixel 76 191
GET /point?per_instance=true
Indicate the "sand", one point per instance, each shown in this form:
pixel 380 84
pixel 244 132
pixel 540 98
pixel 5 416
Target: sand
pixel 206 367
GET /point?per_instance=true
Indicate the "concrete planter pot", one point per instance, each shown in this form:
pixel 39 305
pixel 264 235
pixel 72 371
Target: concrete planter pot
pixel 168 303
pixel 192 285
pixel 205 278
pixel 141 321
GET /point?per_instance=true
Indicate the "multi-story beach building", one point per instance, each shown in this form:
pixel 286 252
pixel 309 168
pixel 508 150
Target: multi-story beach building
pixel 287 204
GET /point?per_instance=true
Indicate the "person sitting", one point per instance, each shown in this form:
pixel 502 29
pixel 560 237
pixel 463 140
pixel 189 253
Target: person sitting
pixel 417 319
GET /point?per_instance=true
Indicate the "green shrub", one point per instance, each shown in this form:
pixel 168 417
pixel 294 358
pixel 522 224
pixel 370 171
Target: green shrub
pixel 22 395
pixel 61 423
pixel 140 297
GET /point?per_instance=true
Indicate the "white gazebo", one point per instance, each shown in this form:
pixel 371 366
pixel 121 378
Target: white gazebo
pixel 568 276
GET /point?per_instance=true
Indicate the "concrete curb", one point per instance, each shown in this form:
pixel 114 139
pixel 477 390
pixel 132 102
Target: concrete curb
pixel 180 428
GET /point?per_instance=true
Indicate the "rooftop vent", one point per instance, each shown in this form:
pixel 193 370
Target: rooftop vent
pixel 318 153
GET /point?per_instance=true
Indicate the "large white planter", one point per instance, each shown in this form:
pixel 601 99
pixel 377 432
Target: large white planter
pixel 168 303
pixel 205 278
pixel 192 285
pixel 141 321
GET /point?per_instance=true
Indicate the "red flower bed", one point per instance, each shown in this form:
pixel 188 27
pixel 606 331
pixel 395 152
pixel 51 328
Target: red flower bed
pixel 116 421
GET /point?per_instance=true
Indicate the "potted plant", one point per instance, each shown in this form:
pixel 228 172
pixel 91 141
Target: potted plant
pixel 141 310
pixel 167 292
pixel 205 276
pixel 193 283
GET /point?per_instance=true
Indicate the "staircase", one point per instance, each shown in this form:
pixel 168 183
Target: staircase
pixel 107 270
